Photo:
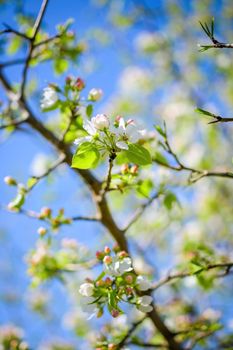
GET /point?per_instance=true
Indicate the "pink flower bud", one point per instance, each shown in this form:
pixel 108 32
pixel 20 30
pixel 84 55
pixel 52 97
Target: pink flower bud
pixel 129 279
pixel 122 254
pixel 107 250
pixel 79 84
pixel 107 260
pixel 134 169
pixel 100 283
pixel 99 255
pixel 129 290
pixel 124 168
pixel 108 281
pixel 112 346
pixel 45 212
pixel 115 313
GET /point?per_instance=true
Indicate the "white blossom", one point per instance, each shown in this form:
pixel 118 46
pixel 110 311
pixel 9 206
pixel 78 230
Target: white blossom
pixel 49 97
pixel 86 289
pixel 119 266
pixel 143 303
pixel 100 122
pixel 95 94
pixel 143 283
pixel 127 132
pixel 89 306
pixel 90 129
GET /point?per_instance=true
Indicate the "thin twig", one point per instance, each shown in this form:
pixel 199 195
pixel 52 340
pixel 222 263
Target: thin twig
pixel 195 174
pixel 139 212
pixel 13 31
pixel 129 333
pixel 58 162
pixel 13 123
pixel 184 274
pixel 31 45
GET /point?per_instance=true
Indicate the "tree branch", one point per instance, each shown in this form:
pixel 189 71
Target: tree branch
pixel 184 274
pixel 195 174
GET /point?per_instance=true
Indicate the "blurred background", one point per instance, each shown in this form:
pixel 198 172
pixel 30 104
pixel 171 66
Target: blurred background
pixel 144 56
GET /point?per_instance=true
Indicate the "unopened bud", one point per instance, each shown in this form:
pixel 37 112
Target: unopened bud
pixel 122 254
pixel 45 212
pixel 99 255
pixel 112 346
pixel 79 84
pixel 129 290
pixel 10 181
pixel 134 169
pixel 68 80
pixel 107 250
pixel 108 281
pixel 42 231
pixel 115 313
pixel 124 168
pixel 129 279
pixel 100 283
pixel 95 94
pixel 107 260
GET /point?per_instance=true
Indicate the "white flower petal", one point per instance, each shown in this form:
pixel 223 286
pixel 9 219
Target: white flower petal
pixel 82 140
pixel 89 127
pixel 122 145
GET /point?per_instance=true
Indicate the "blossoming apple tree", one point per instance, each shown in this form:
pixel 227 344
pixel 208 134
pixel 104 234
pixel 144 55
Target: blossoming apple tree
pixel 124 159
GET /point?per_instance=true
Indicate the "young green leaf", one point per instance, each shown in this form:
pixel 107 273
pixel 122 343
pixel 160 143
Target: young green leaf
pixel 203 111
pixel 137 154
pixel 86 156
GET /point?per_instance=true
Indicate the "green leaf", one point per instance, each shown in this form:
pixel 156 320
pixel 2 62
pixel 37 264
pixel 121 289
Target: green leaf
pixel 86 156
pixel 144 188
pixel 15 44
pixel 203 111
pixel 18 201
pixel 160 130
pixel 89 110
pixel 60 66
pixel 169 200
pixel 159 157
pixel 31 182
pixel 137 154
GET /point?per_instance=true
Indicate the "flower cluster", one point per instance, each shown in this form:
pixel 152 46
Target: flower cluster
pixel 11 337
pixel 117 284
pixel 45 262
pixel 113 136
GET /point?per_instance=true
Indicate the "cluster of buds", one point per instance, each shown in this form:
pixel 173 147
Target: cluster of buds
pixel 45 263
pixel 54 221
pixel 19 200
pixel 11 338
pixel 116 284
pixel 75 83
pixel 129 169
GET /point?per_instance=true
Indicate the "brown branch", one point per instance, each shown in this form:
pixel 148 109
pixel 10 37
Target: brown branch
pixel 13 31
pixel 184 274
pixel 31 44
pixel 195 174
pixel 13 123
pixel 122 343
pixel 56 164
pixel 103 211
